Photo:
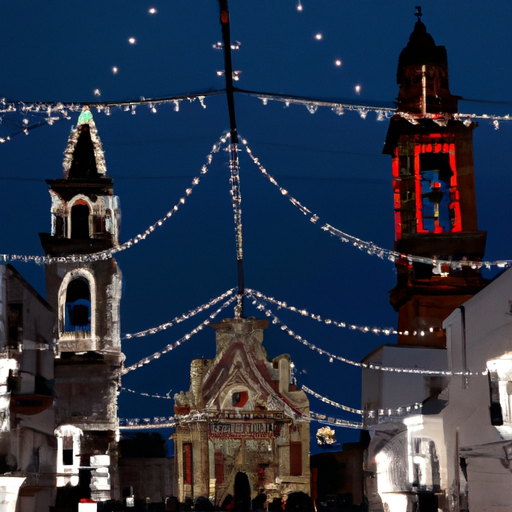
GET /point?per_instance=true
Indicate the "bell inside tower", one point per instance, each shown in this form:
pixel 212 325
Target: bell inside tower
pixel 78 306
pixel 80 222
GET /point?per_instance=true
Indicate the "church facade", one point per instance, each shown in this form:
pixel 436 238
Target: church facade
pixel 241 415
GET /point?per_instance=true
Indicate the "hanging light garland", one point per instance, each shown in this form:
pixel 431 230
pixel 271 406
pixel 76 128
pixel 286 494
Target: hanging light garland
pixel 328 420
pixel 236 195
pixel 363 245
pixel 369 414
pixel 54 111
pixel 183 339
pixel 382 111
pixel 147 423
pixel 62 108
pixel 371 366
pixel 331 402
pixel 303 312
pixel 171 421
pixel 179 319
pixel 276 321
pixel 148 395
pixel 109 253
pixel 379 414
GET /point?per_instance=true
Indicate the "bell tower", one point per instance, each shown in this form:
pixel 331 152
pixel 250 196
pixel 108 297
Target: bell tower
pixel 85 293
pixel 434 194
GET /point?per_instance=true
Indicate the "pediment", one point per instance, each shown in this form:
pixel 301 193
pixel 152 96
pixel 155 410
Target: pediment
pixel 234 373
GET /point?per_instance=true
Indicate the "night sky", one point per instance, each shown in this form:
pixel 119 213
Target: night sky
pixel 65 51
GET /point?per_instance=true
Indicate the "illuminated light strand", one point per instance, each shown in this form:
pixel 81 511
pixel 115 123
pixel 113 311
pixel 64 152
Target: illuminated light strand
pixel 369 247
pixel 284 327
pixel 171 421
pixel 162 421
pixel 383 112
pixel 327 321
pixel 421 371
pixel 237 201
pixel 55 111
pixel 148 395
pixel 179 319
pixel 328 420
pixel 62 107
pixel 371 366
pixel 183 339
pixel 415 408
pixel 141 423
pixel 393 412
pixel 331 402
pixel 109 253
pixel 236 195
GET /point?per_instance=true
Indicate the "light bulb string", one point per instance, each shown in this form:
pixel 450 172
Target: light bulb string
pixel 344 325
pixel 178 319
pixel 167 396
pixel 382 111
pixel 369 365
pixel 276 321
pixel 171 346
pixel 335 422
pixel 109 253
pixel 331 402
pixel 371 248
pixel 171 421
pixel 50 108
pixel 369 413
pixel 236 195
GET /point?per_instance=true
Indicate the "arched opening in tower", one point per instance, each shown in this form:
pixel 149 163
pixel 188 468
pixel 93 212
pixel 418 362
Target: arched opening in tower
pixel 80 221
pixel 78 306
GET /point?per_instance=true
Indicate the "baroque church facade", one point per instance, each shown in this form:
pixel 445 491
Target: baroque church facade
pixel 242 415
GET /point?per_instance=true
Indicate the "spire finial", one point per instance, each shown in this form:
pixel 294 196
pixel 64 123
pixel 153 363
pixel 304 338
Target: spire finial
pixel 85 116
pixel 418 12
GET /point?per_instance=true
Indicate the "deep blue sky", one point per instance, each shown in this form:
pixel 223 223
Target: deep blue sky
pixel 63 51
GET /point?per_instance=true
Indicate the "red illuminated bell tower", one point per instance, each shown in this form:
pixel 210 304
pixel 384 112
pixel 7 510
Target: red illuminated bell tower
pixel 434 194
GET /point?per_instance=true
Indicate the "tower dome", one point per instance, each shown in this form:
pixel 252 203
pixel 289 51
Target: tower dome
pixel 423 76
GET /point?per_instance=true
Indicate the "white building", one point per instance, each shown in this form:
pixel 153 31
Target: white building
pixel 445 442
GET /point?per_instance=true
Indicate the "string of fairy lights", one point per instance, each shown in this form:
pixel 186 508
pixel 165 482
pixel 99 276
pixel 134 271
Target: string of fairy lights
pixel 363 245
pixel 378 414
pixel 327 321
pixel 49 112
pixel 171 421
pixel 109 253
pixel 178 319
pixel 183 339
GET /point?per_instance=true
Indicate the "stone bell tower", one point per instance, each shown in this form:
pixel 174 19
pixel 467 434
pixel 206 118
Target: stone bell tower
pixel 434 194
pixel 85 293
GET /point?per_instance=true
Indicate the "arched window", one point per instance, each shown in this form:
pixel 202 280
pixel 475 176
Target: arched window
pixel 78 306
pixel 80 221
